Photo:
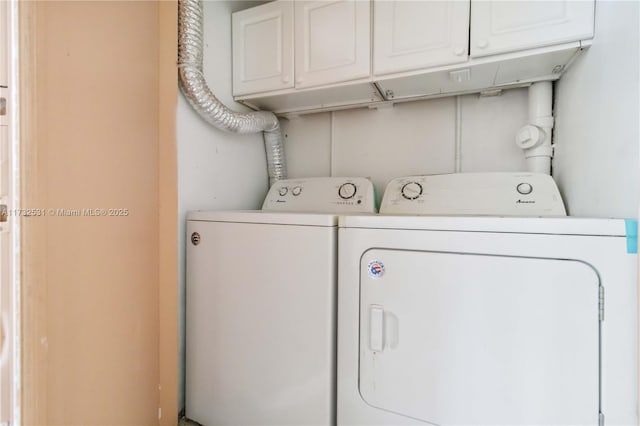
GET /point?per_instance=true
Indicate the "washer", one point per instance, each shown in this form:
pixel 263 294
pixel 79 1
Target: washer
pixel 261 312
pixel 481 320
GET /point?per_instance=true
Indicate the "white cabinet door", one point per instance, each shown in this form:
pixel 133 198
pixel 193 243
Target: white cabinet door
pixel 332 41
pixel 410 35
pixel 505 26
pixel 263 48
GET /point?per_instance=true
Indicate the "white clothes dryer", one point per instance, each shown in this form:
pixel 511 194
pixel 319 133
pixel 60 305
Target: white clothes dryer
pixel 261 305
pixel 475 320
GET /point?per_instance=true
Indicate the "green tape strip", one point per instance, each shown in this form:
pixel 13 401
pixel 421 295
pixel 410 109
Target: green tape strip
pixel 631 226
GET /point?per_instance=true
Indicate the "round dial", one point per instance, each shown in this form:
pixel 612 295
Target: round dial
pixel 524 188
pixel 297 190
pixel 347 190
pixel 283 191
pixel 411 190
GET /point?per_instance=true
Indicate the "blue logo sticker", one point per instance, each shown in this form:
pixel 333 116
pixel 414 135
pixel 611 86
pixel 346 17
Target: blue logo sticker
pixel 376 269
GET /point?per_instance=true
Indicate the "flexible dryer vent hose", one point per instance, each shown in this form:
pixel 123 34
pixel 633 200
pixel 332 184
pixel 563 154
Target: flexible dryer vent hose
pixel 196 90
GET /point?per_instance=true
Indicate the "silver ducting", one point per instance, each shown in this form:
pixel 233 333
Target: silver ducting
pixel 196 90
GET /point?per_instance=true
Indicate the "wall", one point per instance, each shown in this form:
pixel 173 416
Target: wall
pixel 168 212
pixel 216 170
pixel 597 108
pixel 89 80
pixel 410 138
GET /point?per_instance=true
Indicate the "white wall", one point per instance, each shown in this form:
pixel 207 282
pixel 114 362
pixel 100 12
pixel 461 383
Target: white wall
pixel 410 138
pixel 216 170
pixel 597 112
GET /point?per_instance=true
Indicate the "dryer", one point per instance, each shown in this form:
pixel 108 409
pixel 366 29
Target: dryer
pixel 260 305
pixel 482 320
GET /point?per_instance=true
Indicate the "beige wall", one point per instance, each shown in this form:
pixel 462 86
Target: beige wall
pixel 91 285
pixel 168 210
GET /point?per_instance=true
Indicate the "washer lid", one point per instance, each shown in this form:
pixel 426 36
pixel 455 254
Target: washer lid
pixel 532 225
pixel 262 217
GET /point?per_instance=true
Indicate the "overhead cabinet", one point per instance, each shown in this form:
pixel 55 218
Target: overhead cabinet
pixel 508 26
pixel 410 35
pixel 263 48
pixel 331 41
pixel 346 53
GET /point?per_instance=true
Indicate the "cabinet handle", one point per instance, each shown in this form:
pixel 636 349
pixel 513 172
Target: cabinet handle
pixel 458 51
pixel 482 43
pixel 299 80
pixel 285 78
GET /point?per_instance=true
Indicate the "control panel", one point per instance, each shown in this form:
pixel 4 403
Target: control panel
pixel 491 194
pixel 322 195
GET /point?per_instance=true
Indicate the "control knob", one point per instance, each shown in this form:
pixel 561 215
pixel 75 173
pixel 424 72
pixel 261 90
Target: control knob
pixel 524 188
pixel 411 190
pixel 347 191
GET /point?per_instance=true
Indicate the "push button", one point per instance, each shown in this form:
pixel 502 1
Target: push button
pixel 524 188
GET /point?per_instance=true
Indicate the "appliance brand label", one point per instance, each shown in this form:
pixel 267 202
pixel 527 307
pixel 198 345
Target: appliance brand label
pixel 525 202
pixel 375 268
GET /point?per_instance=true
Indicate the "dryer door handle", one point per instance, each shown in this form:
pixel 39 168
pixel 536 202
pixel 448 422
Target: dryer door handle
pixel 376 328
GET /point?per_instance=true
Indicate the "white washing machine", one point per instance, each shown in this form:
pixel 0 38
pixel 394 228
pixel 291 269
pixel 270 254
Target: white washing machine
pixel 261 306
pixel 481 320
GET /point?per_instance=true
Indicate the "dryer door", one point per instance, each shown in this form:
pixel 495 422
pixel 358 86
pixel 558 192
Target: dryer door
pixel 452 338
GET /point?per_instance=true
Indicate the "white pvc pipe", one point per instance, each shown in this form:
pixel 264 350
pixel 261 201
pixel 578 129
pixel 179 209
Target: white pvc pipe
pixel 538 157
pixel 540 98
pixel 539 164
